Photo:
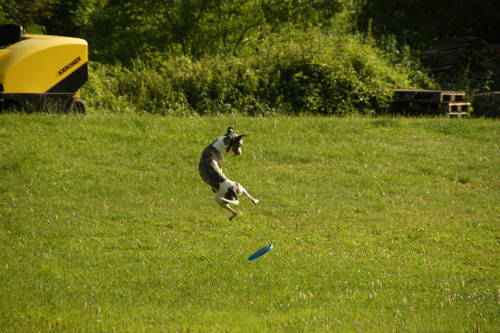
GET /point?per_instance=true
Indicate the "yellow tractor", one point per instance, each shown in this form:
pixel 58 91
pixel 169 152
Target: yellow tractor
pixel 38 69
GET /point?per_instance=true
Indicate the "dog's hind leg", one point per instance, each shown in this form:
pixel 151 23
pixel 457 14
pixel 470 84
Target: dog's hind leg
pixel 235 213
pixel 224 203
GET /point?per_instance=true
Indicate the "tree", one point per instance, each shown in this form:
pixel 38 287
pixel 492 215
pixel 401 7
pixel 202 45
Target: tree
pixel 121 30
pixel 28 13
pixel 68 17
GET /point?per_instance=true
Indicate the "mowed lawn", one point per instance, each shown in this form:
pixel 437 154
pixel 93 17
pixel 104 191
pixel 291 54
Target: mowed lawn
pixel 378 225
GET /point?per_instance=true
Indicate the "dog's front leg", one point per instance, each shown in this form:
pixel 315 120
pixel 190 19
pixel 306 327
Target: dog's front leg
pixel 255 201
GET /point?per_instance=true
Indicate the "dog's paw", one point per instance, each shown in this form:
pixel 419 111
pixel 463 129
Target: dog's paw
pixel 233 216
pixel 256 201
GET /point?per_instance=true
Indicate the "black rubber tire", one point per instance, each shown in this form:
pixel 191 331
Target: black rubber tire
pixel 77 106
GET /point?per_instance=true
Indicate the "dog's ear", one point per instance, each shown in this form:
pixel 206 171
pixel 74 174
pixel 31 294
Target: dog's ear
pixel 239 137
pixel 229 130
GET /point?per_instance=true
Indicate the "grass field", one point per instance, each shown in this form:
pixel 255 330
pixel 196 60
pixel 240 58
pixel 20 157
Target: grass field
pixel 378 225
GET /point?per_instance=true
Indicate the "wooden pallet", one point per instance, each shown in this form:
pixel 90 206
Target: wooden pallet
pixel 431 102
pixel 429 95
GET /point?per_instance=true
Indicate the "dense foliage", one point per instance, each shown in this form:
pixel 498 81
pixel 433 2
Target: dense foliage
pixel 308 72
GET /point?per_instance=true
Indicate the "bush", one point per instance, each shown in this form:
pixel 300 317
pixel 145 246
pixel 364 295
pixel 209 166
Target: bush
pixel 295 72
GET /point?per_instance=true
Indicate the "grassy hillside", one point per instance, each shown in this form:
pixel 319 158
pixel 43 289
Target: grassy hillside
pixel 387 224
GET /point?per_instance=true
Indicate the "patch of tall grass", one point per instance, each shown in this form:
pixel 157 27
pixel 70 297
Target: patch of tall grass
pixel 291 73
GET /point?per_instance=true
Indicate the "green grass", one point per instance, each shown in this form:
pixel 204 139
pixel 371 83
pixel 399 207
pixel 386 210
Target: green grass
pixel 378 225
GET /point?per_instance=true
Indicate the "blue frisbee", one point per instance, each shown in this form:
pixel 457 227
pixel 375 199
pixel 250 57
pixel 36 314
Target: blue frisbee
pixel 261 252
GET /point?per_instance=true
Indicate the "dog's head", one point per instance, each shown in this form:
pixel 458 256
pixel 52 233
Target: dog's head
pixel 235 142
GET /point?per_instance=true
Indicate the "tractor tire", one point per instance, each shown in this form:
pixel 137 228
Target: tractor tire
pixel 77 106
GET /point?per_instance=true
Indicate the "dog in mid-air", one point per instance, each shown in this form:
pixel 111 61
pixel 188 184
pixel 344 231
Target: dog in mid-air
pixel 226 191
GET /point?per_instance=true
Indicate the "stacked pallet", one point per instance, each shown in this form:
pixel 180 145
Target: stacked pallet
pixel 431 102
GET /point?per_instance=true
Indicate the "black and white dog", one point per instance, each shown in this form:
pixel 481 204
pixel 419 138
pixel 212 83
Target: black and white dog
pixel 226 191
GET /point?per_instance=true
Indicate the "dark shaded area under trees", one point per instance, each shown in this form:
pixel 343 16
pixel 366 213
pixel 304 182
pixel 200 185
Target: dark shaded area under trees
pixel 427 22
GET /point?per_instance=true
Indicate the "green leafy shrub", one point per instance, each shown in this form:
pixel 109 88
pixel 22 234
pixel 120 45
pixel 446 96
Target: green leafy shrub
pixel 295 72
pixel 101 92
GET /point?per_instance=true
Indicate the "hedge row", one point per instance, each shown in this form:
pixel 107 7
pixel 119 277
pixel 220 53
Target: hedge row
pixel 308 72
